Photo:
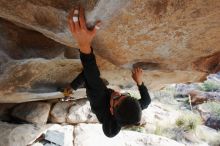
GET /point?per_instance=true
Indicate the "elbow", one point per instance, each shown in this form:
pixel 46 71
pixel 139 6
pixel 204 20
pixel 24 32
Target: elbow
pixel 110 132
pixel 144 106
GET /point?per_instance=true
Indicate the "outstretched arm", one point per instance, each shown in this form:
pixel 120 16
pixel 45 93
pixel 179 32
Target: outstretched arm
pixel 95 87
pixel 137 75
pixel 82 35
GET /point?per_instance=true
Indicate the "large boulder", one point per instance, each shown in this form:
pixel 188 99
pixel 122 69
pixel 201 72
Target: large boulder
pixel 32 135
pixel 36 79
pixel 19 135
pixel 32 112
pixel 81 113
pixel 49 17
pixel 159 113
pixel 92 135
pixel 164 37
pixel 23 77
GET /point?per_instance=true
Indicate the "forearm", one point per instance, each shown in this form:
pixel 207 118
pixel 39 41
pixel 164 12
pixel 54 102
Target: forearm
pixel 91 72
pixel 145 97
pixel 89 64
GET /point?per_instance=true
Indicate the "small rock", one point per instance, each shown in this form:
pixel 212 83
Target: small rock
pixel 60 135
pixel 197 97
pixel 55 137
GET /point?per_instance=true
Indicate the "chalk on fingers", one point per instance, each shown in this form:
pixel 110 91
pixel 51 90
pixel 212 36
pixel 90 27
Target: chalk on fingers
pixel 75 19
pixel 97 27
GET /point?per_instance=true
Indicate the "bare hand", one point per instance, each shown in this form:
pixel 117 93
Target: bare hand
pixel 137 75
pixel 77 26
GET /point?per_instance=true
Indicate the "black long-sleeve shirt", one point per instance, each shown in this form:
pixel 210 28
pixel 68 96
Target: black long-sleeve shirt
pixel 99 95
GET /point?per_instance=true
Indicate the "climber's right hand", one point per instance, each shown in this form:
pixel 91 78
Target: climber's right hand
pixel 79 30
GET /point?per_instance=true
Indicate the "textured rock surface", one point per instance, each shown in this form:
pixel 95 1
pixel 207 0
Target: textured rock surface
pixel 34 79
pixel 172 40
pixel 158 113
pixel 19 43
pixel 158 33
pixel 33 112
pixel 81 113
pixel 60 111
pixel 91 134
pixel 199 97
pixel 19 135
pixel 172 29
pixel 208 134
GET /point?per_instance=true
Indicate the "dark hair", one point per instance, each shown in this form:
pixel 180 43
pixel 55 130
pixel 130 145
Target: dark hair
pixel 128 111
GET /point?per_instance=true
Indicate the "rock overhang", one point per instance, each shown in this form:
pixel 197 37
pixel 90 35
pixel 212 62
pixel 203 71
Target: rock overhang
pixel 173 41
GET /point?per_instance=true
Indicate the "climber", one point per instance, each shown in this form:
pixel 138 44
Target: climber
pixel 113 109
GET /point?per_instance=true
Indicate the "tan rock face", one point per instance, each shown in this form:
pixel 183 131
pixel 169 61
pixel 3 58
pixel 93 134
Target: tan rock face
pixel 163 35
pixel 19 43
pixel 173 41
